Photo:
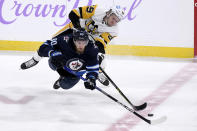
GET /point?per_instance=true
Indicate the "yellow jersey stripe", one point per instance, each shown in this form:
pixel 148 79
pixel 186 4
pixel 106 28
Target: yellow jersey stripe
pixel 76 12
pixel 101 40
pixel 68 26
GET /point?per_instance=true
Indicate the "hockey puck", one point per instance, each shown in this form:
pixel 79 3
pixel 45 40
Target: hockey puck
pixel 150 115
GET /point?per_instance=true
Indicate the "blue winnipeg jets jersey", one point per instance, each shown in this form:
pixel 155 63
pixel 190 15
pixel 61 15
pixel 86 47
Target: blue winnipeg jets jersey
pixel 74 63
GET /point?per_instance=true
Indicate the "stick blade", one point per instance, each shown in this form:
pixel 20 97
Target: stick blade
pixel 158 121
pixel 140 107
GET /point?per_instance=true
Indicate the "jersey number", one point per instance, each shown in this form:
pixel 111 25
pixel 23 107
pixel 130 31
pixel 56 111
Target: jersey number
pixel 90 9
pixel 54 41
pixel 110 37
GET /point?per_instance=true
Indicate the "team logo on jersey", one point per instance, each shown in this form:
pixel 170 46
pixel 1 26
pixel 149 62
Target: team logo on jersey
pixel 91 27
pixel 75 64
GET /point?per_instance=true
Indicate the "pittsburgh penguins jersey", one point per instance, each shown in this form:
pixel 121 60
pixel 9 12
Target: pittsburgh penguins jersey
pixel 92 19
pixel 74 63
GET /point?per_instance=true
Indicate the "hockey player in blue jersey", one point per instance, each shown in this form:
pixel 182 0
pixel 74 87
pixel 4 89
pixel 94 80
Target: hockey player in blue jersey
pixel 71 56
pixel 100 23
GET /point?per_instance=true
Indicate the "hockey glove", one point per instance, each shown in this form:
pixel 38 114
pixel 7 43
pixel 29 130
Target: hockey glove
pixel 90 83
pixel 101 57
pixel 56 58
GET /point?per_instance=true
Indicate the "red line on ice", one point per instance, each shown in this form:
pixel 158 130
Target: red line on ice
pixel 24 100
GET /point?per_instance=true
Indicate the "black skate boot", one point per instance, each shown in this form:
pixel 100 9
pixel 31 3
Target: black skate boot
pixel 56 85
pixel 28 64
pixel 102 79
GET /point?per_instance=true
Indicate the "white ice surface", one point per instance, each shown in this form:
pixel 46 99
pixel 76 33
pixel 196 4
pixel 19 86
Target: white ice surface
pixel 29 103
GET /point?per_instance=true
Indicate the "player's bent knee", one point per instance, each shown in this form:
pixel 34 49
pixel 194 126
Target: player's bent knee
pixel 68 82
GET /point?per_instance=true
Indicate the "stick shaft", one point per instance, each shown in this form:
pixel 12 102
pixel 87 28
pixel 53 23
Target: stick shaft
pixel 126 107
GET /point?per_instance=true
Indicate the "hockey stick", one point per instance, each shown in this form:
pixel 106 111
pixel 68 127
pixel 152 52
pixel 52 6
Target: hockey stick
pixel 137 108
pixel 151 122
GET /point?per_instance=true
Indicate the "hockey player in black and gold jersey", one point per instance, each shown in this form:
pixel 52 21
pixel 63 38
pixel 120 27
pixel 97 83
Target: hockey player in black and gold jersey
pixel 100 24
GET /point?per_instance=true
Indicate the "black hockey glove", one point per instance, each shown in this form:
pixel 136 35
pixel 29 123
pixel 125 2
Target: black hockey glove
pixel 56 58
pixel 90 83
pixel 101 57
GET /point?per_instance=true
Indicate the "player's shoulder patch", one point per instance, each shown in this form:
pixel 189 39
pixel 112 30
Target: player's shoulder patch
pixel 66 38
